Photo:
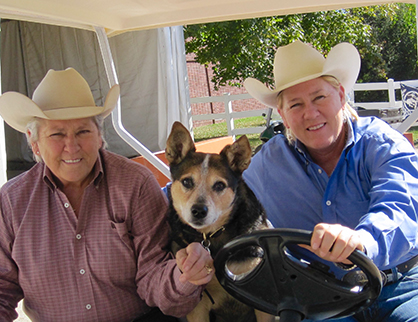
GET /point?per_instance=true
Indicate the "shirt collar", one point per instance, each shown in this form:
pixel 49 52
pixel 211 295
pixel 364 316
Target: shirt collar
pixel 300 147
pixel 350 136
pixel 48 176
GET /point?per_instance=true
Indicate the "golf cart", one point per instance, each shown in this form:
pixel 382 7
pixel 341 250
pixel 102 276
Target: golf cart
pixel 109 18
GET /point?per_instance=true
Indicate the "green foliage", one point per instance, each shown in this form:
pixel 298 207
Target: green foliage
pixel 414 131
pixel 384 35
pixel 396 35
pixel 391 51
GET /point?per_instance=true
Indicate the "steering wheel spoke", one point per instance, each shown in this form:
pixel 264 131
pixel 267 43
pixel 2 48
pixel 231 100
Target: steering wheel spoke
pixel 277 281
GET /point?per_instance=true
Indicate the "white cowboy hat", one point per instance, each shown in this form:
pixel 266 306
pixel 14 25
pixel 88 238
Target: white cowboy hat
pixel 298 62
pixel 61 95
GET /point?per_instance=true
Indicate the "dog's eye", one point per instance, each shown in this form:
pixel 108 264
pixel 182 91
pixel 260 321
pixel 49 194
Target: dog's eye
pixel 219 186
pixel 187 183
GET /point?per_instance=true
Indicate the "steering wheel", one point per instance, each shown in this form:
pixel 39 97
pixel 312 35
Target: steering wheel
pixel 291 288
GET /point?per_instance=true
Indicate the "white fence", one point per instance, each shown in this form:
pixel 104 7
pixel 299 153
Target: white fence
pixel 390 86
pixel 229 114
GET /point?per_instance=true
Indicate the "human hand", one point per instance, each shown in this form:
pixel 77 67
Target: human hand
pixel 196 264
pixel 334 242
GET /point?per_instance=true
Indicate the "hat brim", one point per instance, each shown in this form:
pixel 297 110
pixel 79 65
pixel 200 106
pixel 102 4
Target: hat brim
pixel 267 96
pixel 342 63
pixel 17 109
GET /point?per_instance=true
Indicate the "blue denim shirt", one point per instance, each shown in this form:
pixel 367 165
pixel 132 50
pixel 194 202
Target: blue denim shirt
pixel 373 189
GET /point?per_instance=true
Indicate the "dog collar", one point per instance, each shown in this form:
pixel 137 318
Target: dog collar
pixel 206 242
pixel 215 234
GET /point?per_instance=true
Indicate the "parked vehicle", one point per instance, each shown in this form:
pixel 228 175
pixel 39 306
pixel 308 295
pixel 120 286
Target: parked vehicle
pixel 273 127
pixel 389 115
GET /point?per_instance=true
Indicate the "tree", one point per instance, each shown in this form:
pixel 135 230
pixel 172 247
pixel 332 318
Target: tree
pixel 391 51
pixel 395 33
pixel 238 49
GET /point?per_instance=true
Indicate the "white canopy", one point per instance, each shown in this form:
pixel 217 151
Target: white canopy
pixel 123 15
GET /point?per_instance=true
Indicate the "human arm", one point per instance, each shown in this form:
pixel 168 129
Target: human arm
pixel 10 291
pixel 374 192
pixel 158 277
pixel 388 228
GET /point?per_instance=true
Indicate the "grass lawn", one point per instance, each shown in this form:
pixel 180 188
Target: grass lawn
pixel 414 131
pixel 206 132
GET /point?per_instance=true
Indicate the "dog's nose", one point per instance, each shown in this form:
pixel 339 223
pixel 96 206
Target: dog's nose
pixel 199 211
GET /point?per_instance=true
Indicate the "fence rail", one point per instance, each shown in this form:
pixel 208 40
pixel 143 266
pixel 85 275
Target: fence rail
pixel 390 86
pixel 229 114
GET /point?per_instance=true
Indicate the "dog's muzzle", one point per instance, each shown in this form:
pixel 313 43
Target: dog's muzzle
pixel 199 211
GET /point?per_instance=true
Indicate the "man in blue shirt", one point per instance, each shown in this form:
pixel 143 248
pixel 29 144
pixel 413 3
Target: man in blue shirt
pixel 352 181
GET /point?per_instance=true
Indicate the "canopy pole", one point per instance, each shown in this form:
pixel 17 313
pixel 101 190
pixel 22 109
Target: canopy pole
pixel 116 113
pixel 3 154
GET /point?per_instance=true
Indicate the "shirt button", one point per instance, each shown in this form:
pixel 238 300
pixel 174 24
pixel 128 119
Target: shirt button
pixel 88 306
pixel 320 171
pixel 78 236
pixel 66 205
pixel 82 271
pixel 328 203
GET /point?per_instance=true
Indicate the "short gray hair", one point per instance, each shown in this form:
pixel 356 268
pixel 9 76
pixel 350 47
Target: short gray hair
pixel 33 128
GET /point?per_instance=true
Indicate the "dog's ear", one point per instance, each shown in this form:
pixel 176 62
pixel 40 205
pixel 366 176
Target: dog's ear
pixel 238 154
pixel 179 143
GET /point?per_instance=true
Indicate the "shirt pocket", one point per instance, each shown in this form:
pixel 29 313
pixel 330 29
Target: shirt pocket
pixel 124 234
pixel 122 263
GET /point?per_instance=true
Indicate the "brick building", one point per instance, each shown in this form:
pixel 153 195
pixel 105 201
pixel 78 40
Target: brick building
pixel 200 85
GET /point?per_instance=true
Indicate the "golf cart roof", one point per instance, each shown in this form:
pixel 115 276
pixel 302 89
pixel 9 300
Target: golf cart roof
pixel 124 15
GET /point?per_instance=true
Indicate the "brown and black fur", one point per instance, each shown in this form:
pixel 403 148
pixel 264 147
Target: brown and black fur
pixel 208 197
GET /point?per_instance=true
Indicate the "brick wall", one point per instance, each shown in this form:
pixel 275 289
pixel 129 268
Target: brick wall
pixel 200 85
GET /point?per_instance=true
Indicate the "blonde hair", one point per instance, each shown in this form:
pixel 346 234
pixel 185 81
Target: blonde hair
pixel 348 111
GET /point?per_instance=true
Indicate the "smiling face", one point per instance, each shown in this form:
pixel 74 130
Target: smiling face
pixel 69 148
pixel 313 110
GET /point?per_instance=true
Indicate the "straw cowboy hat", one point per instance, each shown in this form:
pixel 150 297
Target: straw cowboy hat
pixel 61 95
pixel 298 62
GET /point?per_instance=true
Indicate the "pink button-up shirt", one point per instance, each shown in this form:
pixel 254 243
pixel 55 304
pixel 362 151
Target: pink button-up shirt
pixel 109 264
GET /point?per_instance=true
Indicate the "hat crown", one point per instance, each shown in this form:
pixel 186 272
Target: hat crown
pixel 61 89
pixel 295 62
pixel 61 95
pixel 298 62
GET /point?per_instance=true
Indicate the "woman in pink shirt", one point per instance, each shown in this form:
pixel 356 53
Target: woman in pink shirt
pixel 83 234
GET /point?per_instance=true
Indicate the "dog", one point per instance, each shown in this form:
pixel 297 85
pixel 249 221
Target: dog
pixel 210 203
